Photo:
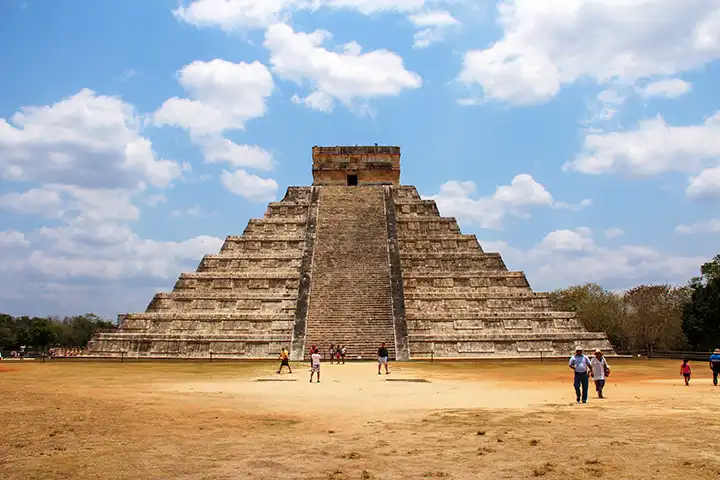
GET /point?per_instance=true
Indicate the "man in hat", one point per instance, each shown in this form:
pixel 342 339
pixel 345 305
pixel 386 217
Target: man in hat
pixel 599 370
pixel 580 364
pixel 715 365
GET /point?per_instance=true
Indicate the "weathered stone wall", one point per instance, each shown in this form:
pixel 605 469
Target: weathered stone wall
pixel 239 303
pixel 463 302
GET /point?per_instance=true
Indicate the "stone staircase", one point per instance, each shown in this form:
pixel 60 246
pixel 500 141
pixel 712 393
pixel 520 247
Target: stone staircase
pixel 350 294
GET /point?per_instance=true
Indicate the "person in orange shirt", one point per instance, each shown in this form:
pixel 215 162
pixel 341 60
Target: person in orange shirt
pixel 284 360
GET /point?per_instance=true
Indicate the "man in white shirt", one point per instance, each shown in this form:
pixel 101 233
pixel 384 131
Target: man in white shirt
pixel 599 370
pixel 315 362
pixel 580 364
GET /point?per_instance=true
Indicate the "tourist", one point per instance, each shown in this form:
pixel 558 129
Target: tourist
pixel 284 360
pixel 383 358
pixel 315 361
pixel 580 364
pixel 599 371
pixel 337 354
pixel 343 352
pixel 715 365
pixel 331 353
pixel 685 371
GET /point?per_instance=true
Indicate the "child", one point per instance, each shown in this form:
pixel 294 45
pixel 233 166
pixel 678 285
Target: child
pixel 685 372
pixel 343 352
pixel 315 359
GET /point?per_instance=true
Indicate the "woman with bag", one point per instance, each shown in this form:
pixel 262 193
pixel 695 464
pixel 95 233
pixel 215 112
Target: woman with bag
pixel 599 371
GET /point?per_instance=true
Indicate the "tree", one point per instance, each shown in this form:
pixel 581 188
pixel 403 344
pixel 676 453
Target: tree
pixel 42 333
pixel 653 317
pixel 598 309
pixel 701 312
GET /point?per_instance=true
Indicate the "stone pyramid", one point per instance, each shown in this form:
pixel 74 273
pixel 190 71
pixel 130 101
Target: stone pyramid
pixel 356 259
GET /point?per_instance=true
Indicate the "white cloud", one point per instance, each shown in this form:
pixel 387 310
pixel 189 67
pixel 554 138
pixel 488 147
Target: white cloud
pixel 232 15
pixel 515 200
pixel 320 101
pixel 349 76
pixel 584 203
pixel 568 257
pixel 222 150
pixel 368 7
pixel 194 211
pixel 705 185
pixel 37 201
pixel 235 14
pixel 86 163
pixel 13 239
pixel 654 147
pixel 433 25
pixel 249 186
pixel 86 140
pixel 709 226
pixel 668 88
pixel 549 43
pixel 614 232
pixel 224 96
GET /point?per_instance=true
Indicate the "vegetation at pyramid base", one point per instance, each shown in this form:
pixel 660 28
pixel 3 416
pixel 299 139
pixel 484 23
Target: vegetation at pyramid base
pixel 40 333
pixel 652 317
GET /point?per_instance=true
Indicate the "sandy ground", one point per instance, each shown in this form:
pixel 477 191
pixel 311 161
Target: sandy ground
pixel 107 420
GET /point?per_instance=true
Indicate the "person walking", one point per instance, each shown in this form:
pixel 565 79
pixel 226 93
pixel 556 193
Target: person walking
pixel 315 359
pixel 343 352
pixel 580 364
pixel 599 371
pixel 686 371
pixel 383 358
pixel 715 365
pixel 284 360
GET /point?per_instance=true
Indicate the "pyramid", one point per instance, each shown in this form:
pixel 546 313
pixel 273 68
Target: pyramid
pixel 355 259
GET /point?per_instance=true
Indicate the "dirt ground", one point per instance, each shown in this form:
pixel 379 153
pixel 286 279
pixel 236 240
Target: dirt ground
pixel 487 419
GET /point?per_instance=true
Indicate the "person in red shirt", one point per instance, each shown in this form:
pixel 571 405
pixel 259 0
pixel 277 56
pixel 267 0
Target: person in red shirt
pixel 685 371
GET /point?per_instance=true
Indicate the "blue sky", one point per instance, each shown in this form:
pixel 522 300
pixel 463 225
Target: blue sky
pixel 581 139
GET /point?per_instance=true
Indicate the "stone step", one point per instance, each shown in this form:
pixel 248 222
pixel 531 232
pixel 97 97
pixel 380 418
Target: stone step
pixel 465 295
pixel 576 337
pixel 210 316
pixel 286 274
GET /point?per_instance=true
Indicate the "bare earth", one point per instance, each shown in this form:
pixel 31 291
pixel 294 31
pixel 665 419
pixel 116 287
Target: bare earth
pixel 512 419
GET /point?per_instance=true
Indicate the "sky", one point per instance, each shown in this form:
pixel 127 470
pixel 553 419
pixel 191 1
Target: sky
pixel 578 138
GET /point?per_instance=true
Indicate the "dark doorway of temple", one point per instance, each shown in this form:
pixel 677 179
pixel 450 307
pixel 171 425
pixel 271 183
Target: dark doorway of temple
pixel 352 180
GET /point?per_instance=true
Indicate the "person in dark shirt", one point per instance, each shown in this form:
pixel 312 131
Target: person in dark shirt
pixel 383 358
pixel 715 365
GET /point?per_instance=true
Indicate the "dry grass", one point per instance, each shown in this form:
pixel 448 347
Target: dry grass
pixel 473 420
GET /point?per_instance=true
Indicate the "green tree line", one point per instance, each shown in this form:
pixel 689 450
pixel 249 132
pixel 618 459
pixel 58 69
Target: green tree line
pixel 652 317
pixel 40 333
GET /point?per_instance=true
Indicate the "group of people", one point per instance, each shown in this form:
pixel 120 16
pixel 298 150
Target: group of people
pixel 598 369
pixel 337 353
pixel 585 368
pixel 686 371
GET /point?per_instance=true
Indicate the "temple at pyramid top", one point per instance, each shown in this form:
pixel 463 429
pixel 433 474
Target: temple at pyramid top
pixel 373 165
